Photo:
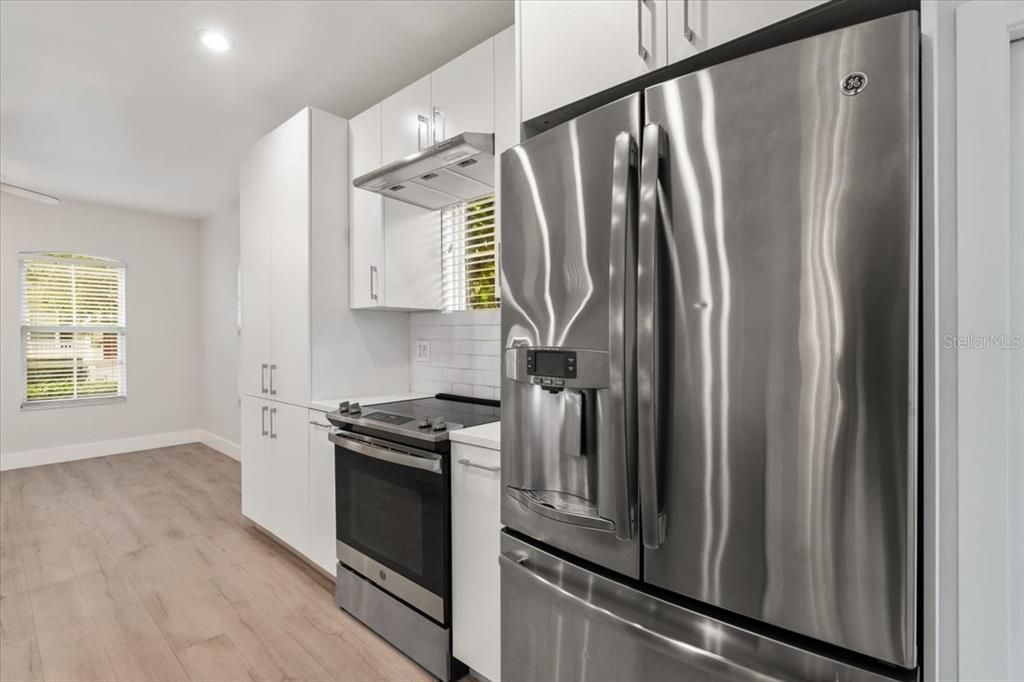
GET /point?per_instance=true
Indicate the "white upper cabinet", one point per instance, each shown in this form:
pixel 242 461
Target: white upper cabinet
pixel 405 121
pixel 506 127
pixel 463 94
pixel 366 213
pixel 395 248
pixel 571 49
pixel 696 25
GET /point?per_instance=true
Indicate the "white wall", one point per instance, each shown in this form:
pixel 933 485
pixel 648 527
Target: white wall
pixel 219 301
pixel 464 353
pixel 164 351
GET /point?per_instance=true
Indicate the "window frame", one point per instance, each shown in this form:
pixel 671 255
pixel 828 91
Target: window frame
pixel 121 330
pixel 452 281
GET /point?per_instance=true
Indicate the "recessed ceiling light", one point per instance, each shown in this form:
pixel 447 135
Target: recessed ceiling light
pixel 214 40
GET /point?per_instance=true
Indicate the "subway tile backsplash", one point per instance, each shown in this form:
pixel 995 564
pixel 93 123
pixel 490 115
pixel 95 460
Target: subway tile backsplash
pixel 465 353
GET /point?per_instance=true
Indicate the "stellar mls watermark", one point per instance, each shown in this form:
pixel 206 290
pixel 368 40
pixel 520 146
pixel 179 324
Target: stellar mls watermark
pixel 983 342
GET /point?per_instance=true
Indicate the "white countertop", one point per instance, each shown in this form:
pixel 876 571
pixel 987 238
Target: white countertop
pixel 331 404
pixel 484 436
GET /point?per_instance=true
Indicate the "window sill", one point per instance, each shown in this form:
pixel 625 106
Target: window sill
pixel 75 402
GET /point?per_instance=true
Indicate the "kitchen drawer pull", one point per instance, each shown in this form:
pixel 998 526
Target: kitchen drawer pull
pixel 263 421
pixel 373 282
pixel 273 411
pixel 485 467
pixel 322 426
pixel 273 391
pixel 263 378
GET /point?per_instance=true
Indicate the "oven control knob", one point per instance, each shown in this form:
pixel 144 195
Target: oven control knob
pixel 354 408
pixel 343 407
pixel 439 424
pixel 423 423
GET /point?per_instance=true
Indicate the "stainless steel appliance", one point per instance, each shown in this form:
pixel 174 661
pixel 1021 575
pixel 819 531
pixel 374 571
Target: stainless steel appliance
pixel 393 485
pixel 709 307
pixel 457 169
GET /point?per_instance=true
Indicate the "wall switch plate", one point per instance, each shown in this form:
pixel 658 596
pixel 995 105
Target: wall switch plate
pixel 422 350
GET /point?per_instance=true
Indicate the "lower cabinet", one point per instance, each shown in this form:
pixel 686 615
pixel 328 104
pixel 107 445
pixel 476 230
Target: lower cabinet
pixel 275 469
pixel 476 581
pixel 321 493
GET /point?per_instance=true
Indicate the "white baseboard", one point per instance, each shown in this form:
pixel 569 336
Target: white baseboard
pixel 68 453
pixel 221 445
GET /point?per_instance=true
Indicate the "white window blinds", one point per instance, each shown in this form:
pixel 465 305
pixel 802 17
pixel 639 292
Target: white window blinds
pixel 72 328
pixel 470 274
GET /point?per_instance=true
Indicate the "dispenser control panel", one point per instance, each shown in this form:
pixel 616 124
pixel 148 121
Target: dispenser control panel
pixel 550 367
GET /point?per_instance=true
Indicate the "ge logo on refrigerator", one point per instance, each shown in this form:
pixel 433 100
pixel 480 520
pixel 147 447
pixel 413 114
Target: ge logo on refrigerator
pixel 854 83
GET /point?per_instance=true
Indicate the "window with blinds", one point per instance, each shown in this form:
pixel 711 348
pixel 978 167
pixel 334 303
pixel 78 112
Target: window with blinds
pixel 72 329
pixel 470 273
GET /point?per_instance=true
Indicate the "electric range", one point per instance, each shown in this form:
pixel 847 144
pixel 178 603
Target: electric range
pixel 393 520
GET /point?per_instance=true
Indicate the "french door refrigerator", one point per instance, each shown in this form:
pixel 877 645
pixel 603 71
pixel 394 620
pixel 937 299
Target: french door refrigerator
pixel 709 309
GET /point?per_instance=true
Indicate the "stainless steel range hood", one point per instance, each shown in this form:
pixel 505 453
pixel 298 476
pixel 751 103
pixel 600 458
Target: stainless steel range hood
pixel 455 170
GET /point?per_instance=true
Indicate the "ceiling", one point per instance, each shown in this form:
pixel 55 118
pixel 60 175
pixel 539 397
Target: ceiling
pixel 117 103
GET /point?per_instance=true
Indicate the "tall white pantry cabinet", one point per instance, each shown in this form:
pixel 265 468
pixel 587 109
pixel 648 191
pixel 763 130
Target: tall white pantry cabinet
pixel 299 339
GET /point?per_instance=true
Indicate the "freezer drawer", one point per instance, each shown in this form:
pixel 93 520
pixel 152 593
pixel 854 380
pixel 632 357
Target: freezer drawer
pixel 562 622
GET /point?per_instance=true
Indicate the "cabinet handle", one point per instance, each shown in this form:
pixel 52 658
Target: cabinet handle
pixel 443 127
pixel 640 49
pixel 263 421
pixel 273 391
pixel 373 282
pixel 273 411
pixel 322 426
pixel 263 378
pixel 687 31
pixel 422 125
pixel 485 467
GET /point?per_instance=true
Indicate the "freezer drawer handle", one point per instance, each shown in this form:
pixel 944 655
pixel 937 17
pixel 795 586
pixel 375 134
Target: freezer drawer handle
pixel 536 502
pixel 644 630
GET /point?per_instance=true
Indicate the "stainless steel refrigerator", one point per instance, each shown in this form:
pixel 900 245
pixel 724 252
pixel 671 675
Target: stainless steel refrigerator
pixel 709 429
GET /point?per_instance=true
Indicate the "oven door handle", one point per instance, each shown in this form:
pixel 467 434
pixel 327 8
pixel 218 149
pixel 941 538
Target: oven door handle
pixel 431 464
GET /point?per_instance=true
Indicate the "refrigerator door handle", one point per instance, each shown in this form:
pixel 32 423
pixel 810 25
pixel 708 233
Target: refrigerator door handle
pixel 652 522
pixel 614 462
pixel 616 469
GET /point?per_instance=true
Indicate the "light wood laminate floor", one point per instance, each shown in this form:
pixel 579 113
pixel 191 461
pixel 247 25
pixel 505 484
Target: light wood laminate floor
pixel 141 567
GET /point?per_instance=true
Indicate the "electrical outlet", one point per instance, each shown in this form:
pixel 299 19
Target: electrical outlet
pixel 422 350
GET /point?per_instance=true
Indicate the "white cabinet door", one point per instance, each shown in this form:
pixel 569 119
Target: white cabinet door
pixel 506 127
pixel 412 253
pixel 462 93
pixel 255 459
pixel 571 49
pixel 366 213
pixel 254 261
pixel 288 479
pixel 321 493
pixel 476 581
pixel 405 121
pixel 713 22
pixel 289 149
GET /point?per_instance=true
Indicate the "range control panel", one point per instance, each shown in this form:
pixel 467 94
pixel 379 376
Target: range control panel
pixel 550 367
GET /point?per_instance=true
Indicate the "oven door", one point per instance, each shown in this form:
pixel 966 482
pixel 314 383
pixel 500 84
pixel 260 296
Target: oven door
pixel 392 519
